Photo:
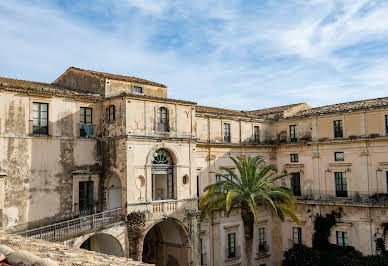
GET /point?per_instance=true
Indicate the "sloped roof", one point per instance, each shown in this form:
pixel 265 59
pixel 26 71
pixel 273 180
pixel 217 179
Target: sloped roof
pixel 119 77
pixel 344 107
pixel 273 110
pixel 221 111
pixel 25 86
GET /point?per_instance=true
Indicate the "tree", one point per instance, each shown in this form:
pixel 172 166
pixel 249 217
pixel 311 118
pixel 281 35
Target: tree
pixel 253 186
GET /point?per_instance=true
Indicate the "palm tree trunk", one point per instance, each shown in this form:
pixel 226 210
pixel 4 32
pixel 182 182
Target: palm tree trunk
pixel 248 220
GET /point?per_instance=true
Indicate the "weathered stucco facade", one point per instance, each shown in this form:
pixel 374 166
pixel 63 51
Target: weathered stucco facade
pixel 92 143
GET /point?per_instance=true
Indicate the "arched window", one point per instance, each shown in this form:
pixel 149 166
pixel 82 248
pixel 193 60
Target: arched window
pixel 163 120
pixel 163 183
pixel 162 157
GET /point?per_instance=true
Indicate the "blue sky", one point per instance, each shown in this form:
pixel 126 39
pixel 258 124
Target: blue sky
pixel 232 54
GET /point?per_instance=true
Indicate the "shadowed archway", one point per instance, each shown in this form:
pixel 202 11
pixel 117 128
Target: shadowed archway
pixel 166 244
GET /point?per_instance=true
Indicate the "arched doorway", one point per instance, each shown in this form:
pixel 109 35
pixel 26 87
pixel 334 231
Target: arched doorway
pixel 114 192
pixel 166 244
pixel 163 185
pixel 103 243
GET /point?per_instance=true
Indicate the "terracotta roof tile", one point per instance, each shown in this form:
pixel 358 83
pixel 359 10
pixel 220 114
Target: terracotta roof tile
pixel 143 96
pixel 221 111
pixel 344 107
pixel 273 110
pixel 17 85
pixel 120 77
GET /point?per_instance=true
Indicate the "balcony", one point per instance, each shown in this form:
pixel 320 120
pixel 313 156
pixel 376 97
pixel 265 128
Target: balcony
pixel 355 197
pixel 76 226
pixel 165 207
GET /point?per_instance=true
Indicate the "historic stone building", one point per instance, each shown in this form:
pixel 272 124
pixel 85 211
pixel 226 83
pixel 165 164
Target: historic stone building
pixel 109 163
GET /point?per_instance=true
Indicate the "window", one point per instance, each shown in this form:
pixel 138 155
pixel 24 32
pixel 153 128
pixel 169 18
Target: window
pixel 40 119
pixel 231 245
pixel 227 132
pixel 338 129
pixel 293 137
pixel 201 247
pixel 296 235
pixel 342 238
pixel 256 134
pixel 386 124
pixel 295 184
pixel 261 232
pixel 218 178
pixel 137 89
pixel 85 119
pixel 85 194
pixel 163 124
pixel 386 174
pixel 339 156
pixel 294 157
pixel 110 113
pixel 185 180
pixel 341 189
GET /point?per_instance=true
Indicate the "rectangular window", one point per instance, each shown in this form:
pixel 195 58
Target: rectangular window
pixel 111 113
pixel 338 129
pixel 342 238
pixel 201 247
pixel 227 132
pixel 40 119
pixel 137 89
pixel 85 119
pixel 294 157
pixel 218 178
pixel 339 156
pixel 293 137
pixel 386 125
pixel 261 232
pixel 386 174
pixel 296 235
pixel 256 134
pixel 231 245
pixel 341 187
pixel 295 184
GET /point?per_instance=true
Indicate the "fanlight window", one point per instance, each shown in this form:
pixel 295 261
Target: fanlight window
pixel 162 157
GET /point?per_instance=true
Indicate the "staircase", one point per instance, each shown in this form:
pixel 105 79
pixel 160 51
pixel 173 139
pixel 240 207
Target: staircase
pixel 73 227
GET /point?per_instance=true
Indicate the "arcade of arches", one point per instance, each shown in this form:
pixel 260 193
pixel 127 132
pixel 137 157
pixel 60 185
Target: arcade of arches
pixel 166 244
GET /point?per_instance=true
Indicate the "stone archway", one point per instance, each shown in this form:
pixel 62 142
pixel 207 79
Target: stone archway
pixel 166 244
pixel 113 190
pixel 103 243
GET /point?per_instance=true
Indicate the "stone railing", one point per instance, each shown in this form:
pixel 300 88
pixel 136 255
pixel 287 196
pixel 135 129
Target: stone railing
pixel 164 207
pixel 73 227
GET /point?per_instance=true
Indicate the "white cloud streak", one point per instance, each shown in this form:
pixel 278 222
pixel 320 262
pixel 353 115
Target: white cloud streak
pixel 222 54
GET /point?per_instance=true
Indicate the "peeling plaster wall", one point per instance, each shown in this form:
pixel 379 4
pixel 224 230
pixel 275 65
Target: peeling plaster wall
pixel 39 169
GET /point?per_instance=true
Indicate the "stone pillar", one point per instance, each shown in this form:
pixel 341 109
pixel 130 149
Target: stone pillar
pixel 194 239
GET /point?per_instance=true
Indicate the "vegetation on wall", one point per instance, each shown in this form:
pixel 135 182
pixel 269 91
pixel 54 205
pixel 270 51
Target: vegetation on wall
pixel 323 253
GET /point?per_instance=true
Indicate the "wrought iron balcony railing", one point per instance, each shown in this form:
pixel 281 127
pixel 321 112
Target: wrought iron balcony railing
pixel 345 196
pixel 73 227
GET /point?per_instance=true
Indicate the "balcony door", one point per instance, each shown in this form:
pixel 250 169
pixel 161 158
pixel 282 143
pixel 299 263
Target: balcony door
pixel 295 184
pixel 86 198
pixel 162 176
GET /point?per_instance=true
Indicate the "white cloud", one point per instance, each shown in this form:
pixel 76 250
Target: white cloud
pixel 229 55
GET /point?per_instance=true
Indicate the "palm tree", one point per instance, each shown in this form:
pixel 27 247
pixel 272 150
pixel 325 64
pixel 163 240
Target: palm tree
pixel 254 186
